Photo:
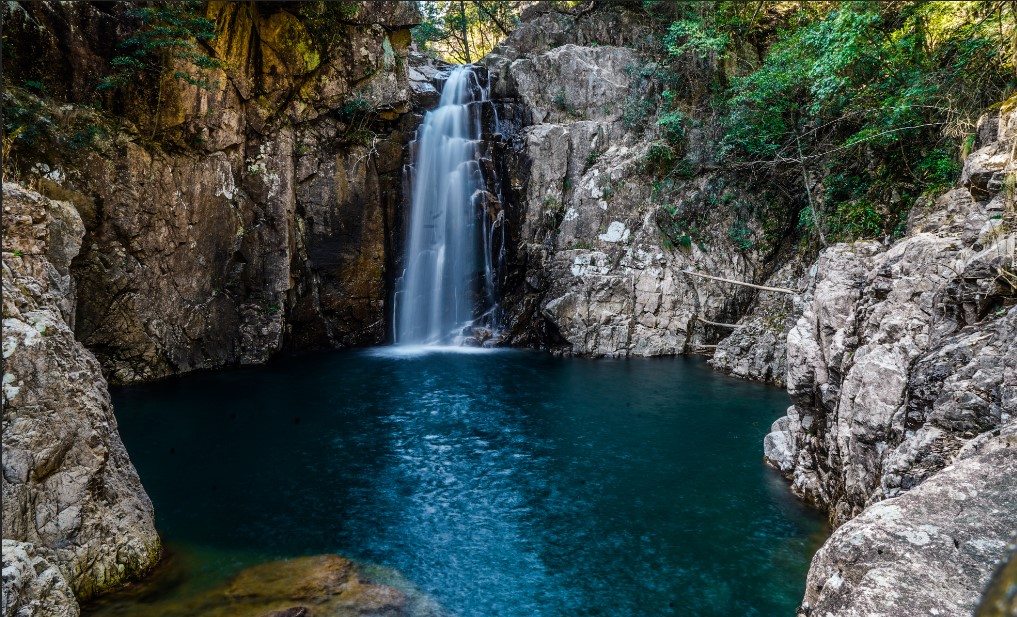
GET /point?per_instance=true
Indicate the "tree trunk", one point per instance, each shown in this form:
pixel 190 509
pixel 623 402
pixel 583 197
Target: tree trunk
pixel 465 29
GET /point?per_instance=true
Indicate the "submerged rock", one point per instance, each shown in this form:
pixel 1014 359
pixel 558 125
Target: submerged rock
pixel 1000 599
pixel 315 586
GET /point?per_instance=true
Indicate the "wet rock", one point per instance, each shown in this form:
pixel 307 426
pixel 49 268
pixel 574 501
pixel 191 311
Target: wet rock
pixel 314 586
pixel 319 580
pixel 70 494
pixel 293 611
pixel 1000 598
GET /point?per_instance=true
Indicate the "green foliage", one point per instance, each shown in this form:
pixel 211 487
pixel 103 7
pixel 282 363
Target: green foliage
pixel 672 125
pixel 27 118
pixel 741 236
pixel 680 228
pixel 856 219
pixel 325 21
pixel 170 31
pixel 641 100
pixel 688 36
pixel 968 146
pixel 357 114
pixel 561 103
pixel 659 159
pixel 37 129
pixel 554 211
pixel 853 109
pixel 356 106
pixel 878 89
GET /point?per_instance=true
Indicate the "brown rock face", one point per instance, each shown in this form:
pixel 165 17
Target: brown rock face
pixel 267 216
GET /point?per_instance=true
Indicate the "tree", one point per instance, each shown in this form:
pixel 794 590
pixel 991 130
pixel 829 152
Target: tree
pixel 876 95
pixel 170 33
pixel 851 110
pixel 463 31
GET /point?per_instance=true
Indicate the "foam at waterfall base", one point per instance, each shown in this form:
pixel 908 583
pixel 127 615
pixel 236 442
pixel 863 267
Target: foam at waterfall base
pixel 416 351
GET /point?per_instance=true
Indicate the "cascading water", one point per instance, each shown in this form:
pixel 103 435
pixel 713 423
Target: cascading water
pixel 448 283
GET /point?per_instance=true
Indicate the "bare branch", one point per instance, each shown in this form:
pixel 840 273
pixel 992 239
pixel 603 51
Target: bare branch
pixel 718 324
pixel 782 290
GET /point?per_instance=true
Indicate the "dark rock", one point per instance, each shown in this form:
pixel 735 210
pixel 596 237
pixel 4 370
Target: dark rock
pixel 278 228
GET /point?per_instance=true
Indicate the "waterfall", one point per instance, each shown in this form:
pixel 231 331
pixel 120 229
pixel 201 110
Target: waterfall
pixel 446 293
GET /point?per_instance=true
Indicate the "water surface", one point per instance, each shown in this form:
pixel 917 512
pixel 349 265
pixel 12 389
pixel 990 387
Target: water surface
pixel 501 484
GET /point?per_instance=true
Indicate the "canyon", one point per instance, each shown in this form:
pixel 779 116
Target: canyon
pixel 270 215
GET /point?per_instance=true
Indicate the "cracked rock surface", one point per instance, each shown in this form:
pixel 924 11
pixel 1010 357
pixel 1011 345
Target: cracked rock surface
pixel 903 373
pixel 74 510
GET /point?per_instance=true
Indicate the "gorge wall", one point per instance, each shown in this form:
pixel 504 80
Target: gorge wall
pixel 593 269
pixel 901 370
pixel 258 214
pixel 898 355
pixel 235 221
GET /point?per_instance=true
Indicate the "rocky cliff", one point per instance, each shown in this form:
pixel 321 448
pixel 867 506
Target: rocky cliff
pixel 901 370
pixel 263 213
pixel 76 520
pixel 603 259
pixel 903 352
pixel 257 214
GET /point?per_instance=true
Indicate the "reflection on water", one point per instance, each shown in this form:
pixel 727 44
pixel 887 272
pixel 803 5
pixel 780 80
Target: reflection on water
pixel 503 483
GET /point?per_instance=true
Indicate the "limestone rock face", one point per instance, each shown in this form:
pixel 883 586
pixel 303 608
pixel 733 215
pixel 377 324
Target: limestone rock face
pixel 930 551
pixel 32 585
pixel 590 270
pixel 901 370
pixel 72 502
pixel 269 216
pixel 902 353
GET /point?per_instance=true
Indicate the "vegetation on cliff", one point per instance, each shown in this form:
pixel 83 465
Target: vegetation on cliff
pixel 846 112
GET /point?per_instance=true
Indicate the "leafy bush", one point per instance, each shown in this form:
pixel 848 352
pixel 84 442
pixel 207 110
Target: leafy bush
pixel 844 112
